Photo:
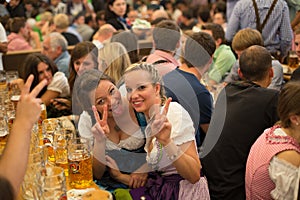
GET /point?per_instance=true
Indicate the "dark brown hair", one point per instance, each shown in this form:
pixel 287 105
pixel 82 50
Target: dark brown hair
pixel 80 50
pixel 289 102
pixel 166 35
pixel 255 63
pixel 14 25
pixel 217 31
pixel 30 66
pixel 84 84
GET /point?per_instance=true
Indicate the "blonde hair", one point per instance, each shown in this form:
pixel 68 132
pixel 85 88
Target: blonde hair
pixel 246 38
pixel 61 21
pixel 154 75
pixel 116 60
pixel 46 16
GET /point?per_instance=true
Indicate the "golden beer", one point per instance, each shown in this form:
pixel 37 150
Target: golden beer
pixel 43 116
pixel 3 139
pixel 61 159
pixel 15 99
pixel 80 170
pixel 293 61
pixel 3 85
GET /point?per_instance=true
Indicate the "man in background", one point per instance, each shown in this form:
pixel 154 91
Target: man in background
pixel 183 83
pixel 242 112
pixel 55 46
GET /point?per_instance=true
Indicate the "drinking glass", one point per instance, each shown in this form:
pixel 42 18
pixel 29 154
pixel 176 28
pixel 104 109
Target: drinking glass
pixel 80 163
pixel 3 85
pixel 293 60
pixel 36 160
pixel 51 183
pixel 10 114
pixel 11 75
pixel 3 122
pixel 60 146
pixel 49 126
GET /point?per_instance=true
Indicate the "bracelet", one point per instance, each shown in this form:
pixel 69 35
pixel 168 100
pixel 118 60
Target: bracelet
pixel 173 151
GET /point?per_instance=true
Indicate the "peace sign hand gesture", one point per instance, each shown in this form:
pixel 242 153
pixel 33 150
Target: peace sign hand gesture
pixel 29 107
pixel 161 127
pixel 101 129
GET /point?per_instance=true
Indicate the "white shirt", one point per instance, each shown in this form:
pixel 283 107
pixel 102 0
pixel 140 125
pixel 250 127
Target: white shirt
pixel 182 132
pixel 3 38
pixel 60 84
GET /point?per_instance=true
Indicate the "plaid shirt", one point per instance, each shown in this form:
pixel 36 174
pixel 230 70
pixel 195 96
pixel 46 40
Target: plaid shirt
pixel 277 33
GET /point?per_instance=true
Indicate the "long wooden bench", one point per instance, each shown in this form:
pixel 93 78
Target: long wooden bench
pixel 13 60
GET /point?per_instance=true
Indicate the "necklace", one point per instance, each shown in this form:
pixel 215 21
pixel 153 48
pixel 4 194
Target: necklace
pixel 154 160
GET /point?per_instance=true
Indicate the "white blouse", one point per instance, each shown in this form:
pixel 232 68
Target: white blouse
pixel 133 142
pixel 60 84
pixel 285 176
pixel 182 132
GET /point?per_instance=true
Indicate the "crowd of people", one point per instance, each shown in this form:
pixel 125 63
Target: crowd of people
pixel 208 114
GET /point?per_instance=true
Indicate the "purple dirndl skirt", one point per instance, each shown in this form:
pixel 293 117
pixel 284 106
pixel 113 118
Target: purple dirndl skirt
pixel 158 187
pixel 171 187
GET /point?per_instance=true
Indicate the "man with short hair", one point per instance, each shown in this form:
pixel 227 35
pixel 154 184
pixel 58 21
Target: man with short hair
pixel 55 46
pixel 61 23
pixel 223 58
pixel 104 33
pixel 297 42
pixel 242 112
pixel 19 33
pixel 241 41
pixel 183 83
pixel 166 39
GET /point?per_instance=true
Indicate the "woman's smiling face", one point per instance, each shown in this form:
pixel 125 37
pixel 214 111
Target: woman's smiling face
pixel 108 94
pixel 142 93
pixel 44 72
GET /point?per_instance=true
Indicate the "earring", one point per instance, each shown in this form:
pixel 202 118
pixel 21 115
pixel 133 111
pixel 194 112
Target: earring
pixel 297 124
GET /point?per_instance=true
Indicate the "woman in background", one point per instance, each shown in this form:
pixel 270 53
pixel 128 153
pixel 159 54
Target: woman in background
pixel 115 14
pixel 43 68
pixel 114 60
pixel 273 163
pixel 130 42
pixel 84 56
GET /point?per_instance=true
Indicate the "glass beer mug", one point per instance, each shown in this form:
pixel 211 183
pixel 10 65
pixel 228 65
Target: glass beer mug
pixel 293 60
pixel 80 163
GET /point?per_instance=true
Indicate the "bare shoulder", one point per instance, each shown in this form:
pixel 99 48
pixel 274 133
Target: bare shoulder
pixel 290 156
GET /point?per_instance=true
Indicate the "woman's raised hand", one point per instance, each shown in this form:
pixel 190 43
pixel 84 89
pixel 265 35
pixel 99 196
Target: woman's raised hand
pixel 161 127
pixel 101 129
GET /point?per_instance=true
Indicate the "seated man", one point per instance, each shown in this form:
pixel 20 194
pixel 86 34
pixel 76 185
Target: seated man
pixel 183 83
pixel 61 24
pixel 19 34
pixel 104 33
pixel 241 41
pixel 166 39
pixel 55 46
pixel 223 58
pixel 243 111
